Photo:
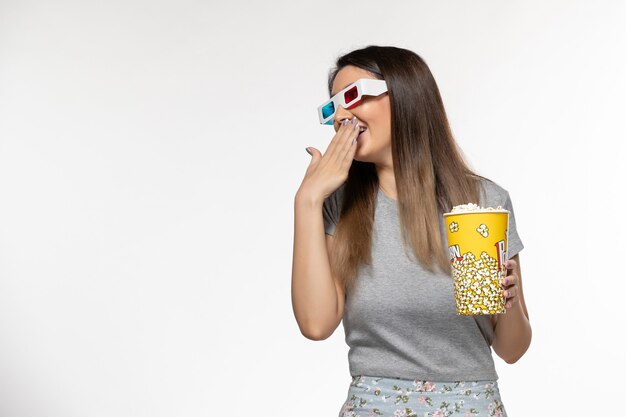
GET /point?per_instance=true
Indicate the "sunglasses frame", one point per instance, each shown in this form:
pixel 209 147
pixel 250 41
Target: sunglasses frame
pixel 364 87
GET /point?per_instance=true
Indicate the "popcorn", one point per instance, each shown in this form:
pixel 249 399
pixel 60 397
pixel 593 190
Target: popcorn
pixel 477 246
pixel 474 207
pixel 477 284
pixel 483 230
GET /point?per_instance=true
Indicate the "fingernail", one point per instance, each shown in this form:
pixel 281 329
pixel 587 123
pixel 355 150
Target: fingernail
pixel 505 281
pixel 353 121
pixel 308 151
pixel 345 122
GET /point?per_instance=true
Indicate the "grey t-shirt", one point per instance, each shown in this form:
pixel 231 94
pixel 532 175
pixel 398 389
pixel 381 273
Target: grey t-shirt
pixel 400 319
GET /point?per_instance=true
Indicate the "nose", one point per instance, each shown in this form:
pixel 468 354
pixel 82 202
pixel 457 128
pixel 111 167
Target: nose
pixel 340 115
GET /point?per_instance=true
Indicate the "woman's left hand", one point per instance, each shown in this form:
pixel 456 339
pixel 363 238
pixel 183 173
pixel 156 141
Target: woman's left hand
pixel 509 283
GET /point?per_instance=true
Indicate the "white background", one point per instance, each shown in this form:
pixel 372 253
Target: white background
pixel 149 156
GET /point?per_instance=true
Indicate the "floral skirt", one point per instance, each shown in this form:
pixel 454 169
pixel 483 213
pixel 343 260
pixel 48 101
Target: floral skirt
pixel 370 396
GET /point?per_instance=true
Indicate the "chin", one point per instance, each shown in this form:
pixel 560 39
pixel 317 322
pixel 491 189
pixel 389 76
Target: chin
pixel 359 156
pixel 363 154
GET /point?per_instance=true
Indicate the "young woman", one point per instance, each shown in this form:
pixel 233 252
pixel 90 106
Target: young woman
pixel 370 247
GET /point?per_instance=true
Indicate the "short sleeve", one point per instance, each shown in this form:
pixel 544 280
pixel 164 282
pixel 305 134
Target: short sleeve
pixel 331 210
pixel 515 244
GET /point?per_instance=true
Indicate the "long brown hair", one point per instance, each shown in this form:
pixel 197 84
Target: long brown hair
pixel 430 172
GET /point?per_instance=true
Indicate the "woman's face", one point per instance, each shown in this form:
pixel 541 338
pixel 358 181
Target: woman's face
pixel 374 113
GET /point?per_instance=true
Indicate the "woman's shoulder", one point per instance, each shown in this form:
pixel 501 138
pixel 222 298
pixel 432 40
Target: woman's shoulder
pixel 493 193
pixel 333 203
pixel 336 196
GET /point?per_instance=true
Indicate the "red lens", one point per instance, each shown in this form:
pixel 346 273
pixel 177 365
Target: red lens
pixel 351 95
pixel 356 103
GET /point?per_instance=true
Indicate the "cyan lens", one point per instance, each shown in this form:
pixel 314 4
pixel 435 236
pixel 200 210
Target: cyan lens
pixel 328 110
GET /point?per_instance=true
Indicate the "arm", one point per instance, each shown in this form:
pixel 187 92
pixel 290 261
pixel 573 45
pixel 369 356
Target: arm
pixel 316 296
pixel 512 330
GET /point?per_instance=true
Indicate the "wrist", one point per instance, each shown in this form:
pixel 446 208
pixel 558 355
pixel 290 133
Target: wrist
pixel 306 198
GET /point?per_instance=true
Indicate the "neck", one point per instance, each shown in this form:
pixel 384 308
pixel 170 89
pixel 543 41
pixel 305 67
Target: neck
pixel 387 179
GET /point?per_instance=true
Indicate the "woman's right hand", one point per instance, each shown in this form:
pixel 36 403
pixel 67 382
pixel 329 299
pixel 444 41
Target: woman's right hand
pixel 327 172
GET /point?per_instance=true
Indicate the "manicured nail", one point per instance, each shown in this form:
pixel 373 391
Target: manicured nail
pixel 345 122
pixel 353 121
pixel 308 151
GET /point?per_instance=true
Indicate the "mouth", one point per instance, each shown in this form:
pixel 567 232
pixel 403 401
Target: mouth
pixel 361 131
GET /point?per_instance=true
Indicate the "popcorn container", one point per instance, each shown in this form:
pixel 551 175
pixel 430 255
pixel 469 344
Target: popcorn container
pixel 478 243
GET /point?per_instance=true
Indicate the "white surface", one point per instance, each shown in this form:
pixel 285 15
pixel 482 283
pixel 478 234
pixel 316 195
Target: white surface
pixel 149 156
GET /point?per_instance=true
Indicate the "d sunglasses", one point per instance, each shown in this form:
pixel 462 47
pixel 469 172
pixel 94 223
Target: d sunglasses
pixel 350 97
